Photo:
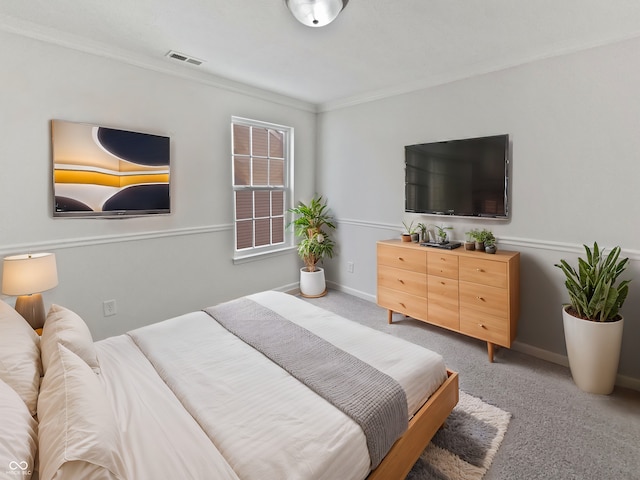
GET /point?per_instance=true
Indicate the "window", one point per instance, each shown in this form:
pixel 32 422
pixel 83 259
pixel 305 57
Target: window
pixel 262 165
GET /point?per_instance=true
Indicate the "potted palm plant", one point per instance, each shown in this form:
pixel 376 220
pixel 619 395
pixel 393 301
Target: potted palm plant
pixel 311 223
pixel 592 322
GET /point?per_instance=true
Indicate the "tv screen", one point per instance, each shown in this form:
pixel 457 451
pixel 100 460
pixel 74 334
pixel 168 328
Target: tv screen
pixel 468 177
pixel 106 172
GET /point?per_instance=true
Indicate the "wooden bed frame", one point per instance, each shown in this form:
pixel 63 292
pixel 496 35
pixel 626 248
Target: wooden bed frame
pixel 422 427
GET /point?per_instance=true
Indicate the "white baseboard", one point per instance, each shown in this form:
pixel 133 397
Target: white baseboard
pixel 558 359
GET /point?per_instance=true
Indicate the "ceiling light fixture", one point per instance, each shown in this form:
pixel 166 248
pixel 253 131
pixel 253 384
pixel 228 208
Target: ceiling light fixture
pixel 316 13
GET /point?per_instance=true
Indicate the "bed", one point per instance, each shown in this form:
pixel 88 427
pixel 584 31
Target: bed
pixel 212 395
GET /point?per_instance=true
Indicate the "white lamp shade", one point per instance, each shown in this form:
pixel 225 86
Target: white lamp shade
pixel 316 13
pixel 29 273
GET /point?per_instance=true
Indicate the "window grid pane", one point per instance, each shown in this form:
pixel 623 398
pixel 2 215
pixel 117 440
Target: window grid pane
pixel 259 181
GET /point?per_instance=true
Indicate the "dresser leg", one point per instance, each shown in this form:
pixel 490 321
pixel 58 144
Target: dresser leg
pixel 490 350
pixel 390 316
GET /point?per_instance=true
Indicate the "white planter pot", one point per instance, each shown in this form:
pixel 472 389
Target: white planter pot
pixel 312 284
pixel 593 349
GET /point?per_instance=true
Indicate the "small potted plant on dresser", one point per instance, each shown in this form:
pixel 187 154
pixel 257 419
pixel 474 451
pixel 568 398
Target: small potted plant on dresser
pixel 441 234
pixel 592 322
pixel 469 243
pixel 490 243
pixel 479 236
pixel 410 233
pixel 423 232
pixel 311 225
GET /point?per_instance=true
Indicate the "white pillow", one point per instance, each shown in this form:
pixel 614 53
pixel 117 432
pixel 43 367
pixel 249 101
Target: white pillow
pixel 78 430
pixel 65 327
pixel 18 435
pixel 20 366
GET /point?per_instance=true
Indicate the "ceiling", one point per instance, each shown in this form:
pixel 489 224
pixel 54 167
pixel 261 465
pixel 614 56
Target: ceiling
pixel 374 48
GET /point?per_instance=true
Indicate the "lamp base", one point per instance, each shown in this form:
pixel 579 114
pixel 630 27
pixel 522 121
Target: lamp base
pixel 31 307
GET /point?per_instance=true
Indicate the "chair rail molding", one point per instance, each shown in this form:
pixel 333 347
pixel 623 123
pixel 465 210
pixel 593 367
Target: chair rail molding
pixel 116 238
pixel 533 243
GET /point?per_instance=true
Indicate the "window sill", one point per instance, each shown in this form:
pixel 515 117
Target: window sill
pixel 239 259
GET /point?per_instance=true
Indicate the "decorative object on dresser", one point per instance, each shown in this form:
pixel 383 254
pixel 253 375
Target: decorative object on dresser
pixel 311 224
pixel 410 233
pixel 480 236
pixel 441 234
pixel 27 276
pixel 465 291
pixel 469 243
pixel 490 243
pixel 592 322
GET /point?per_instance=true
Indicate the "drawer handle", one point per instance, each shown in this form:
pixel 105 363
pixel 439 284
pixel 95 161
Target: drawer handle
pixel 480 298
pixel 401 259
pixel 481 325
pixel 401 281
pixel 403 305
pixel 479 270
pixel 442 283
pixel 443 259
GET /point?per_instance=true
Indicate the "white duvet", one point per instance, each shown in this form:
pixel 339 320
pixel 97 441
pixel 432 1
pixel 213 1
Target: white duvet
pixel 261 423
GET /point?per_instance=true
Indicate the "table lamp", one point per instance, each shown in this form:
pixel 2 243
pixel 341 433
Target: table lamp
pixel 26 276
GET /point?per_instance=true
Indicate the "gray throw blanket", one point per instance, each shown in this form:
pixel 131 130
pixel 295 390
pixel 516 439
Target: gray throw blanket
pixel 371 398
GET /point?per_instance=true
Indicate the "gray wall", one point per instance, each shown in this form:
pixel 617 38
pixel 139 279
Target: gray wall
pixel 153 267
pixel 574 123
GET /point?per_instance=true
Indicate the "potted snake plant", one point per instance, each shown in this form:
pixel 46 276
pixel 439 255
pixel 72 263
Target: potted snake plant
pixel 312 223
pixel 592 320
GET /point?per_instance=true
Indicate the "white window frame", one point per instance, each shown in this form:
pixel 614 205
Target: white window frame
pixel 239 256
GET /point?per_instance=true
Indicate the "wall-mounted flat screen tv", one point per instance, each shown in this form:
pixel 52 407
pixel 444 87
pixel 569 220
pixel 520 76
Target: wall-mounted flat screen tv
pixel 106 172
pixel 467 177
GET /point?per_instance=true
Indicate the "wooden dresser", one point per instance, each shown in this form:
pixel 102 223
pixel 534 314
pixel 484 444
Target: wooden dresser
pixel 473 293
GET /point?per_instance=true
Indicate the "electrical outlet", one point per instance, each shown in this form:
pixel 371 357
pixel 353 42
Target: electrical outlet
pixel 109 308
pixel 350 267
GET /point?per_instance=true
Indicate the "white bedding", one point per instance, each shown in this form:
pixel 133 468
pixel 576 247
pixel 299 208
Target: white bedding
pixel 266 424
pixel 160 438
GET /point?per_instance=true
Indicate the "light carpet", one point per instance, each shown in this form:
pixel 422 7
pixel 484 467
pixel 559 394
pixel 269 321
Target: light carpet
pixel 464 448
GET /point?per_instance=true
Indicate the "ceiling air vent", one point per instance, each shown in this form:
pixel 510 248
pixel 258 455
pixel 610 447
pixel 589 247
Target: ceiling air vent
pixel 181 57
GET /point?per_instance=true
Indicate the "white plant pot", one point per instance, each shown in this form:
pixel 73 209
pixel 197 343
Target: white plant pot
pixel 312 284
pixel 593 349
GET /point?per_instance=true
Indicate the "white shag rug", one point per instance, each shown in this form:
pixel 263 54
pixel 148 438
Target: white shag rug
pixel 464 448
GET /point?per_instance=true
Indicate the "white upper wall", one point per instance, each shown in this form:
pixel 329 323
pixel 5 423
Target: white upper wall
pixel 573 122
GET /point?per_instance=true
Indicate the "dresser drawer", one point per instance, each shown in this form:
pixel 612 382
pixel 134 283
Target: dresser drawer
pixel 412 259
pixel 491 300
pixel 442 265
pixel 402 302
pixel 486 272
pixel 442 298
pixel 484 326
pixel 405 280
